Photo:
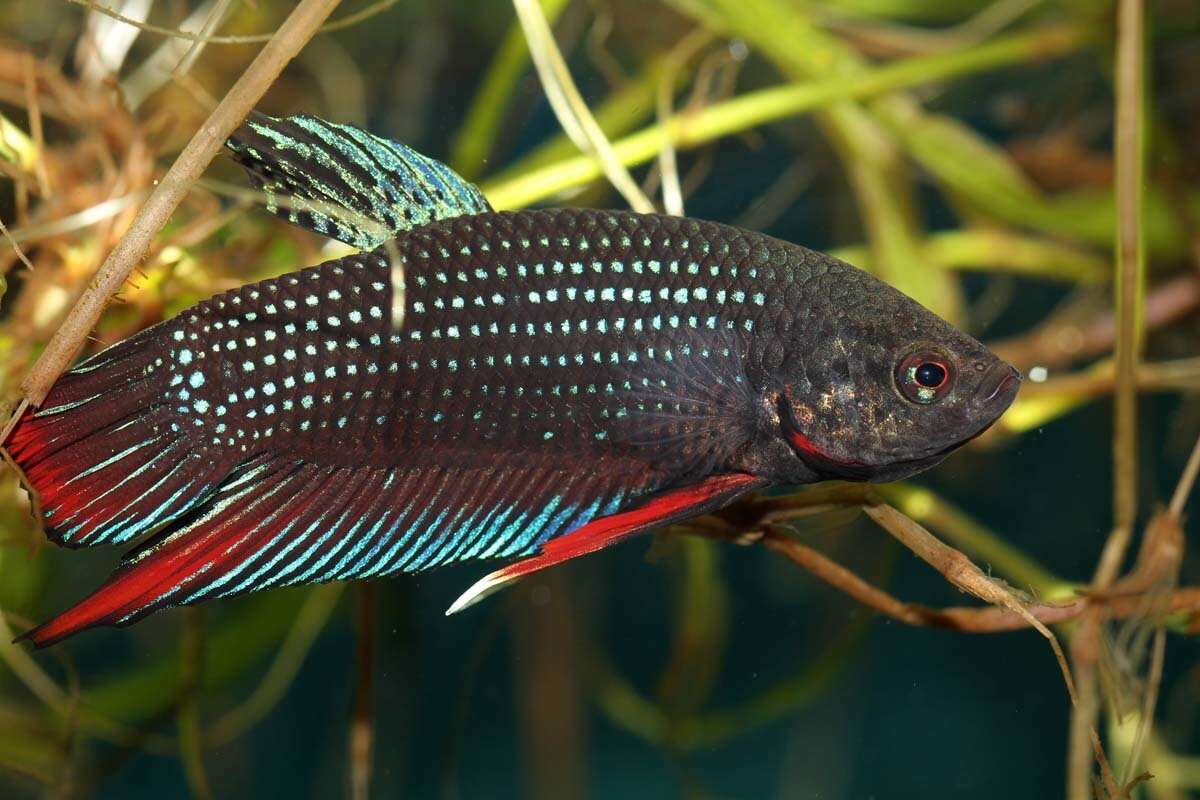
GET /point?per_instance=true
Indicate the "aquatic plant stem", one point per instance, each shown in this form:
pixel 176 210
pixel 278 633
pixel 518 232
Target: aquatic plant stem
pixel 572 112
pixel 1164 535
pixel 41 685
pixel 482 125
pixel 191 676
pixel 967 619
pixel 961 572
pixel 361 740
pixel 1130 169
pixel 705 729
pixel 957 527
pixel 12 242
pixel 292 35
pixel 310 620
pixel 668 164
pixel 689 129
pixel 552 716
pixel 1065 338
pixel 1130 276
pixel 1187 482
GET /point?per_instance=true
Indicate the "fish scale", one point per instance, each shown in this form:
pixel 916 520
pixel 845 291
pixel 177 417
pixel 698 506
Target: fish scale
pixel 517 339
pixel 562 379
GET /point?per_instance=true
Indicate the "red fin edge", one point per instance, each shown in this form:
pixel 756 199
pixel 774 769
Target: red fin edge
pixel 664 509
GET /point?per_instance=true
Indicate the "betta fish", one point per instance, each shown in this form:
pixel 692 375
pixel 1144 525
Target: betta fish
pixel 562 379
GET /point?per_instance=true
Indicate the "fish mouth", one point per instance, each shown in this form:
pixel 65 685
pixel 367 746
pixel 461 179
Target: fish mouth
pixel 999 386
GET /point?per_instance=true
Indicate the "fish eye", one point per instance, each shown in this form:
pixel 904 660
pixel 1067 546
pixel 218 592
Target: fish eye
pixel 924 377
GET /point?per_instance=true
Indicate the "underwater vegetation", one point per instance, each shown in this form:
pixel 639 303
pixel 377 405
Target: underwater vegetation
pixel 1023 169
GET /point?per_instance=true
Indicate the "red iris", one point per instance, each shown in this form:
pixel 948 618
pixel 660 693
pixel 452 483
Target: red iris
pixel 924 377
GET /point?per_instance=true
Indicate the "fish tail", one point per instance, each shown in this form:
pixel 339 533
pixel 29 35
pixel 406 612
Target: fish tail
pixel 224 546
pixel 107 455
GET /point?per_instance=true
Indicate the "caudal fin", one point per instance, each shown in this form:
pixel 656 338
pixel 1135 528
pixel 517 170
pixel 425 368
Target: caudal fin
pixel 106 454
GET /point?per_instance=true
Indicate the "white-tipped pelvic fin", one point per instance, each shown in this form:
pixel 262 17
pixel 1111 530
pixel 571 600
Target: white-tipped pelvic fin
pixel 492 582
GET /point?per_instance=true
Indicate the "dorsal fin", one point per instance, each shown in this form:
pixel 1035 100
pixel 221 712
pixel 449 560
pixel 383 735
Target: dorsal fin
pixel 345 183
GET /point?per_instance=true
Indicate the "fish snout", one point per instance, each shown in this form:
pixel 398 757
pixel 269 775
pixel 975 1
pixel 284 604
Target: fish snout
pixel 999 385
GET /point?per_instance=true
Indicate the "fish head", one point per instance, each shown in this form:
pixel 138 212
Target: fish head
pixel 874 387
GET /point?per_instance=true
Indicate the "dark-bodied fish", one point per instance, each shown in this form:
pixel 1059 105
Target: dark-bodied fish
pixel 563 378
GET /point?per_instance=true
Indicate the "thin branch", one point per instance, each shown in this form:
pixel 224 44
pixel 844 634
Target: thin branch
pixel 966 619
pixel 219 10
pixel 1058 342
pixel 191 163
pixel 16 247
pixel 1129 155
pixel 1186 481
pixel 962 573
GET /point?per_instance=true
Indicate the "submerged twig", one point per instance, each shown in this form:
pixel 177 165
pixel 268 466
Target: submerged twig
pixel 968 619
pixel 962 573
pixel 1129 156
pixel 1163 538
pixel 1186 482
pixel 299 27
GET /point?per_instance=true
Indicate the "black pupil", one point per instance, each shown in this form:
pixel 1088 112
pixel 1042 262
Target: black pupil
pixel 931 374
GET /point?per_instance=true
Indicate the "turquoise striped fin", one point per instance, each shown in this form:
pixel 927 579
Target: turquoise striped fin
pixel 345 183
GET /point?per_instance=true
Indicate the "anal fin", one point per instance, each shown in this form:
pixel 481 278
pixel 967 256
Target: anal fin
pixel 664 509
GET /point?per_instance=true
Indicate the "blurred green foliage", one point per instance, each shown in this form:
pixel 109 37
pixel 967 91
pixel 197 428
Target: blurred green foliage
pixel 959 149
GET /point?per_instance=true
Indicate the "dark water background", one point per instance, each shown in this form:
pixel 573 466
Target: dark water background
pixel 906 713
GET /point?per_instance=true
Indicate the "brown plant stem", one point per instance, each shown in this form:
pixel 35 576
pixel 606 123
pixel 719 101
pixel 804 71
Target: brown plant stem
pixel 1129 156
pixel 1187 481
pixel 191 737
pixel 552 715
pixel 961 572
pixel 1060 342
pixel 1181 375
pixel 968 619
pixel 361 742
pixel 309 622
pixel 292 35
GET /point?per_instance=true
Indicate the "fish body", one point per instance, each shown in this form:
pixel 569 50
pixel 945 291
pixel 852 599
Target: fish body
pixel 563 378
